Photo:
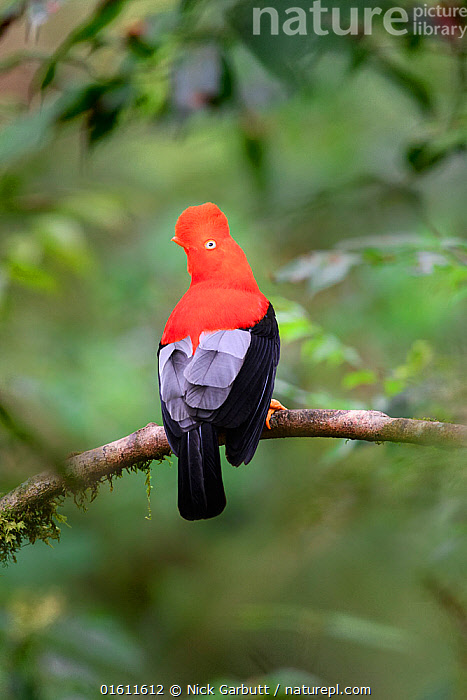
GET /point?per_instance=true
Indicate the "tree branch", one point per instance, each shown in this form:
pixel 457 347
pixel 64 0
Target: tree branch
pixel 86 469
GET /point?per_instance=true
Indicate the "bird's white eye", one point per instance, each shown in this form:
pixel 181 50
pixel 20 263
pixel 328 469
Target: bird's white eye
pixel 210 244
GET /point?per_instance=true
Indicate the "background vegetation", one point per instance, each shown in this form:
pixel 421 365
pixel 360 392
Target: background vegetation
pixel 340 164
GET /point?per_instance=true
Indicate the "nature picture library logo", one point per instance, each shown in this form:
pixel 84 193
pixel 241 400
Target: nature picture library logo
pixel 322 18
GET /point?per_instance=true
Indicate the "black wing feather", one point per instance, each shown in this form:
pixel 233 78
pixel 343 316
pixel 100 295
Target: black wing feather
pixel 241 442
pixel 243 414
pixel 172 429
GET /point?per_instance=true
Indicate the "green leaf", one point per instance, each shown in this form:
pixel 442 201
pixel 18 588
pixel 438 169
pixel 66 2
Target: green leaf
pixel 404 78
pixel 376 257
pixel 102 102
pixel 457 277
pixel 425 153
pixel 423 156
pixel 31 276
pixel 374 634
pixel 226 91
pixel 140 45
pixel 334 624
pixel 363 377
pixel 103 117
pixel 49 74
pixel 293 321
pixel 394 386
pixel 254 148
pixel 106 11
pixel 296 329
pixel 328 348
pixel 321 268
pixel 81 100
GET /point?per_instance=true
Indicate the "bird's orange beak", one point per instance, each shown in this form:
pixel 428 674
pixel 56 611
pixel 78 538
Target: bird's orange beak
pixel 177 241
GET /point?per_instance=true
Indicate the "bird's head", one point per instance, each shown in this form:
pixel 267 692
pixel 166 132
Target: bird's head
pixel 201 227
pixel 203 232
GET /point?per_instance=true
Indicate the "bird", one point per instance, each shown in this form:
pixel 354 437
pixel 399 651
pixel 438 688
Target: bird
pixel 217 362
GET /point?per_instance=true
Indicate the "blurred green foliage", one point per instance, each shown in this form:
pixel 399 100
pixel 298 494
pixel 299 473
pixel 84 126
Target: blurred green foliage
pixel 340 164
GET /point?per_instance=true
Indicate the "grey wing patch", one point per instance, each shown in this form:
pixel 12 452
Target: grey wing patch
pixel 166 352
pixel 173 360
pixel 215 365
pixel 211 368
pixel 206 398
pixel 234 342
pixel 193 386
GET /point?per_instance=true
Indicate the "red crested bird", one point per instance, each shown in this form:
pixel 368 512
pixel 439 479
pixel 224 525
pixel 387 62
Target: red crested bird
pixel 217 362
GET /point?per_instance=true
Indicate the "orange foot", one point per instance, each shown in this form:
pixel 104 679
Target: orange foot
pixel 273 407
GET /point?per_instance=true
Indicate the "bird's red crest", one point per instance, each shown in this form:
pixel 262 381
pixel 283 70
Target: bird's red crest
pixel 199 222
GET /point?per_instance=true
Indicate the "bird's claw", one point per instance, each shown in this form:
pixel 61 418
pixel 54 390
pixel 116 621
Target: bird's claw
pixel 273 407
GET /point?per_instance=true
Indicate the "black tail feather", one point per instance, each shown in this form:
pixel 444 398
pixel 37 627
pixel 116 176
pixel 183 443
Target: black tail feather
pixel 200 488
